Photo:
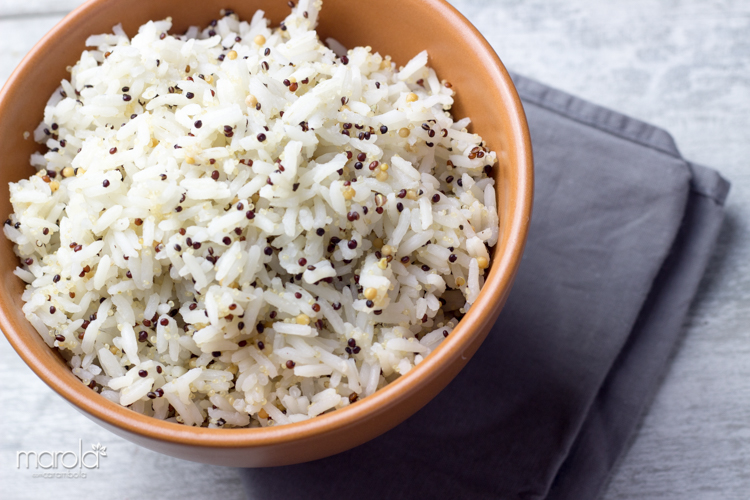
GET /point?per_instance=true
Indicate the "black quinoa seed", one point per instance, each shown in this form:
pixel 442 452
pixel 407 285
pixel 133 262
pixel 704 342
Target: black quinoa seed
pixel 261 137
pixel 320 231
pixel 216 354
pixel 352 244
pixel 452 258
pixel 198 124
pixel 268 251
pixel 105 183
pixel 126 97
pixel 143 336
pixel 400 206
pixel 142 373
pixel 383 129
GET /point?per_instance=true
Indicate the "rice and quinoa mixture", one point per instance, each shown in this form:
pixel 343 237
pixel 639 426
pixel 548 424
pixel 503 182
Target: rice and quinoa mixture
pixel 245 226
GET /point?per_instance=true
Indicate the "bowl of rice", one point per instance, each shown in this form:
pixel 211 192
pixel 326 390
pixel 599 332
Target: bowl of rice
pixel 258 233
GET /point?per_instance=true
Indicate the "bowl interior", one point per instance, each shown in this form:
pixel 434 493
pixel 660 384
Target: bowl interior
pixel 400 28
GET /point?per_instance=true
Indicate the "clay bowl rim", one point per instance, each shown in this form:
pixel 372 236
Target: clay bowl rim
pixel 499 280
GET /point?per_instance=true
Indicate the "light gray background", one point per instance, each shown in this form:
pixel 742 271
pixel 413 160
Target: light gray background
pixel 681 64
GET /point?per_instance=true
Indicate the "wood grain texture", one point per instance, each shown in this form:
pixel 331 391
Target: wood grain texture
pixel 680 64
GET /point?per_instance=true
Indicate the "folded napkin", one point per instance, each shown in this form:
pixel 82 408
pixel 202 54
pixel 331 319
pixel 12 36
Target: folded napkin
pixel 622 230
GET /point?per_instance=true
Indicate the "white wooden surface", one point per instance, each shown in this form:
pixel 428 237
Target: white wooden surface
pixel 681 64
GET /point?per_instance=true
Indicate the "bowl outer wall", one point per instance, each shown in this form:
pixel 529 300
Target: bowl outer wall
pixel 400 28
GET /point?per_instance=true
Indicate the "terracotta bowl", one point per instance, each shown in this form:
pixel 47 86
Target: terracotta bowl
pixel 400 28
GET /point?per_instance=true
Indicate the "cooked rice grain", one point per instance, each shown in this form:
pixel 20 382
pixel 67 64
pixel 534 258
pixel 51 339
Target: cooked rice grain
pixel 212 207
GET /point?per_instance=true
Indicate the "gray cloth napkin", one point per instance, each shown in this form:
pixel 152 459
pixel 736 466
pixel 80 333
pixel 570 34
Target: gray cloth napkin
pixel 622 231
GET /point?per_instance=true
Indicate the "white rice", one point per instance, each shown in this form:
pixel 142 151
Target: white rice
pixel 203 259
